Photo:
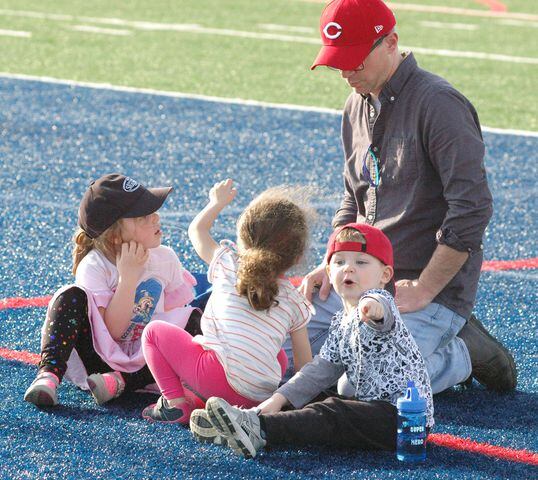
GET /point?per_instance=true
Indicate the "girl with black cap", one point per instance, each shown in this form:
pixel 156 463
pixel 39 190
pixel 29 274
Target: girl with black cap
pixel 124 278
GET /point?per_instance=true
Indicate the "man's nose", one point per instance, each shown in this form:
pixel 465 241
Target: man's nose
pixel 346 73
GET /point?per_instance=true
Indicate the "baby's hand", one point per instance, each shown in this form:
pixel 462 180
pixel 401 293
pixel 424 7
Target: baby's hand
pixel 130 260
pixel 370 309
pixel 222 193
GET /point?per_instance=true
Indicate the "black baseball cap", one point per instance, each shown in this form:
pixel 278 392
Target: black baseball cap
pixel 115 196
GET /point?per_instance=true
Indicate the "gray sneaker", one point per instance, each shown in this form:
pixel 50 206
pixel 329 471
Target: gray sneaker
pixel 240 427
pixel 203 430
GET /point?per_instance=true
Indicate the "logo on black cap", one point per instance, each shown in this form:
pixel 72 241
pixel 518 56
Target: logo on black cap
pixel 130 185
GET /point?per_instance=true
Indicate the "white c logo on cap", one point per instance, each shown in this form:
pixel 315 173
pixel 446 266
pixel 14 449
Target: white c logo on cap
pixel 334 35
pixel 130 185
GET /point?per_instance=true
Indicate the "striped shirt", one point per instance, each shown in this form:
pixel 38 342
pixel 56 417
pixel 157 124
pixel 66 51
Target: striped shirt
pixel 247 341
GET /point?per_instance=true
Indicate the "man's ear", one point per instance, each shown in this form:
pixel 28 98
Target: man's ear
pixel 392 41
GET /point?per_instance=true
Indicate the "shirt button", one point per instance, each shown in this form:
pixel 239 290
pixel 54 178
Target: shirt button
pixel 372 114
pixel 370 216
pixel 392 99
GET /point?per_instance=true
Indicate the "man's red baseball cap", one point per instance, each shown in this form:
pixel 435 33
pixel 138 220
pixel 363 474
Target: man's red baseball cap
pixel 348 30
pixel 377 243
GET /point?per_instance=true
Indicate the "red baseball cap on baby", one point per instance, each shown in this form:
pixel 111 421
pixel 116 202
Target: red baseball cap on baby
pixel 348 30
pixel 377 243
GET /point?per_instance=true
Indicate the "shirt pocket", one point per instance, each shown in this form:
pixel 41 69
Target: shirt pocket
pixel 400 162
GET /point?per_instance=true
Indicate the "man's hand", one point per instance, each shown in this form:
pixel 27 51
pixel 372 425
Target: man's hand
pixel 130 260
pixel 411 295
pixel 370 310
pixel 222 193
pixel 316 278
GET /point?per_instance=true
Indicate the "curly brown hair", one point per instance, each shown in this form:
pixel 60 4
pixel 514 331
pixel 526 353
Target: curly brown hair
pixel 272 235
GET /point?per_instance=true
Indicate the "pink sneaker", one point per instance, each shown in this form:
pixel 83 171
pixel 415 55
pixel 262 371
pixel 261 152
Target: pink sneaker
pixel 106 386
pixel 42 391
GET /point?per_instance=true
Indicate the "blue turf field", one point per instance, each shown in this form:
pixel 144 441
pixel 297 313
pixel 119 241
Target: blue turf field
pixel 54 139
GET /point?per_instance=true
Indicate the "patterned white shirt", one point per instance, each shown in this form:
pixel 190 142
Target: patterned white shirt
pixel 378 357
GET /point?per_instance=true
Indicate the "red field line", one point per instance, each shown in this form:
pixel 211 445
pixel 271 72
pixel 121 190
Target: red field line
pixel 20 356
pixel 439 439
pixel 487 266
pixel 468 445
pixel 494 5
pixel 496 265
pixel 19 302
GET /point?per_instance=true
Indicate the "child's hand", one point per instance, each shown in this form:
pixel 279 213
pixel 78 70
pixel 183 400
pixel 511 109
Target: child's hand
pixel 370 309
pixel 130 260
pixel 222 193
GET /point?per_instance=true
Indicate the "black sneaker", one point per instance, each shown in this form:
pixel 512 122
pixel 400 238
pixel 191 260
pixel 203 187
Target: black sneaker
pixel 162 412
pixel 493 365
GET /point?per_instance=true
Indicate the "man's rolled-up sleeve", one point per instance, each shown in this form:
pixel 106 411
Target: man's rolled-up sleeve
pixel 456 149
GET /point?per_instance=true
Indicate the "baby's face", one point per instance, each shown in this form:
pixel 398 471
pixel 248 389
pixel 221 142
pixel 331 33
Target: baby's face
pixel 352 273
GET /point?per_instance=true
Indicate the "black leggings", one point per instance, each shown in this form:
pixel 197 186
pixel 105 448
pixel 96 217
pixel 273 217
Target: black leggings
pixel 68 327
pixel 335 422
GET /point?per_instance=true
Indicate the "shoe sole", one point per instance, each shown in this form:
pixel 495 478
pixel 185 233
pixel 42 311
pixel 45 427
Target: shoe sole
pixel 41 397
pixel 203 430
pixel 226 426
pixel 511 363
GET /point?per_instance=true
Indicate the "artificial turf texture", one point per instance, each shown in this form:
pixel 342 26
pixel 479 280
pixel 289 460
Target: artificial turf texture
pixel 54 139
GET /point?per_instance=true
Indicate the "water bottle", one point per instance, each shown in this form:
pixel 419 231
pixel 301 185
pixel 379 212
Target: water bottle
pixel 411 438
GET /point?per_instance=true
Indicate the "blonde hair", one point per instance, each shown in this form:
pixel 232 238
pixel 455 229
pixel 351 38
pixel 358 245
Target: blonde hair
pixel 272 234
pixel 83 244
pixel 350 235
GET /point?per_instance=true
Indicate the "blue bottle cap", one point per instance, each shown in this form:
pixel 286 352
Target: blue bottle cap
pixel 411 402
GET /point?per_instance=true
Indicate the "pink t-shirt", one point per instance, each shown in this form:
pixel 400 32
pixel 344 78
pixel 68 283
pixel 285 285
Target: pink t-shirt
pixel 163 293
pixel 247 341
pixel 163 286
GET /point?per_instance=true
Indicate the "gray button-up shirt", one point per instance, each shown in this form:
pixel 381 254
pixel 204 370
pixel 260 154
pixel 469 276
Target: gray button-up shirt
pixel 431 185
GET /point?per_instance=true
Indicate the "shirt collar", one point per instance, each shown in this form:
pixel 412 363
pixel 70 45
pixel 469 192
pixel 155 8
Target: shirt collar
pixel 393 87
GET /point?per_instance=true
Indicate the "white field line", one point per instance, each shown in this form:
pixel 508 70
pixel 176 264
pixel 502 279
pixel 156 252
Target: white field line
pixel 286 28
pixel 193 28
pixel 15 33
pixel 450 26
pixel 450 10
pixel 99 30
pixel 477 55
pixel 517 23
pixel 207 98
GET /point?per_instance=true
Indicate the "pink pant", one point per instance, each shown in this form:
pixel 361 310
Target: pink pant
pixel 176 361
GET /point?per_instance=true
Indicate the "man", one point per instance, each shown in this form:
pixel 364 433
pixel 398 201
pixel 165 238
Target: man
pixel 414 167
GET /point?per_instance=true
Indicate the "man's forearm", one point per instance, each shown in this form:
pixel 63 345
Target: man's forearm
pixel 441 268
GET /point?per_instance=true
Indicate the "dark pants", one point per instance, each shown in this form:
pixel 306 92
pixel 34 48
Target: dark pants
pixel 68 327
pixel 336 422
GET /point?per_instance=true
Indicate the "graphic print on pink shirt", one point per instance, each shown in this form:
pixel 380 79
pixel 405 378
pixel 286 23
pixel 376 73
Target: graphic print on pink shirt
pixel 147 296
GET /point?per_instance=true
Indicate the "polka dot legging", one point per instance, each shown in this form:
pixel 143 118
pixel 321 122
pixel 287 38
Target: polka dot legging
pixel 67 328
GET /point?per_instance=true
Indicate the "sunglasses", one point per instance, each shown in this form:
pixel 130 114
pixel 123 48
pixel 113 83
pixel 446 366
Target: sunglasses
pixel 376 44
pixel 370 168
